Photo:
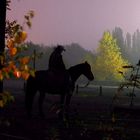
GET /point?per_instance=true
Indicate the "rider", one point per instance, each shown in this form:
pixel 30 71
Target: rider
pixel 56 63
pixel 57 66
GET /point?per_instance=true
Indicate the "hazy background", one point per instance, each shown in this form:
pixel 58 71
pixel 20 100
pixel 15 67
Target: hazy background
pixel 77 21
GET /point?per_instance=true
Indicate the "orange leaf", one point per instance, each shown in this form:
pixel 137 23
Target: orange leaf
pixel 25 75
pixel 11 65
pixel 17 73
pixel 13 51
pixel 24 60
pixel 6 69
pixel 1 76
pixel 1 104
pixel 10 43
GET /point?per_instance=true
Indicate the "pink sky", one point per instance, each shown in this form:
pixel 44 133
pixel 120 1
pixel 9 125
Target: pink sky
pixel 76 21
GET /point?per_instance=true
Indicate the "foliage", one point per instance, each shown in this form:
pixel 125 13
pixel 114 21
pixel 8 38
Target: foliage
pixel 39 55
pixel 5 98
pixel 118 35
pixel 128 43
pixel 109 59
pixel 131 80
pixel 12 64
pixel 73 55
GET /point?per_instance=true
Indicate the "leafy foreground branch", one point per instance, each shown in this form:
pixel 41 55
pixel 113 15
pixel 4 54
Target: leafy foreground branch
pixel 15 65
pixel 130 81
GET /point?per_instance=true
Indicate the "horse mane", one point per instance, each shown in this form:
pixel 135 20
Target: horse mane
pixel 78 67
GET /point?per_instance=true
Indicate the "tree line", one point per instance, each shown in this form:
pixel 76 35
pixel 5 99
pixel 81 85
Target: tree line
pixel 128 43
pixel 113 52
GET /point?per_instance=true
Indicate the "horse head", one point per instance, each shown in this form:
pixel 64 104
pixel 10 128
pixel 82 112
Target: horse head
pixel 87 71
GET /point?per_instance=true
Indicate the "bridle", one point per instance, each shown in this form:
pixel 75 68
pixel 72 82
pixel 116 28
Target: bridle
pixel 82 86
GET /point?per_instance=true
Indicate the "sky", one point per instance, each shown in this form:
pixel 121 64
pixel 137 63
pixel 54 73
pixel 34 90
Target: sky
pixel 76 21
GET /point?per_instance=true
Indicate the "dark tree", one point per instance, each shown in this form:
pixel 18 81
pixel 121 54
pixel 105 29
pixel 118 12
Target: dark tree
pixel 2 33
pixel 118 35
pixel 128 41
pixel 135 46
pixel 128 46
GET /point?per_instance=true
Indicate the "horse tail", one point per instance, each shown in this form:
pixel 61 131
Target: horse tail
pixel 30 91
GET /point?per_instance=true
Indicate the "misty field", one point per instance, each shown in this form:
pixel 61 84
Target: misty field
pixel 94 115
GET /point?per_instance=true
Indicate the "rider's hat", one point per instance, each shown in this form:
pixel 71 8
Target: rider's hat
pixel 60 47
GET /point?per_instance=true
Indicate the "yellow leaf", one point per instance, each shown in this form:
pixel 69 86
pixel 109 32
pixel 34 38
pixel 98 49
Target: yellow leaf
pixel 26 68
pixel 12 98
pixel 17 38
pixel 23 36
pixel 32 73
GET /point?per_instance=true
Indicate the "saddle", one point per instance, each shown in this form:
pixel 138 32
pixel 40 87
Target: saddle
pixel 58 79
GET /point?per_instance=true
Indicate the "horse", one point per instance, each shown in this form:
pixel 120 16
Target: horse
pixel 46 81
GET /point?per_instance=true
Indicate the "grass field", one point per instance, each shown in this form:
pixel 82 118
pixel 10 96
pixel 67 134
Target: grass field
pixel 92 116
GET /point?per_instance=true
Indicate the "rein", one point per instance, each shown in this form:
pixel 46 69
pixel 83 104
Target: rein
pixel 82 86
pixel 85 84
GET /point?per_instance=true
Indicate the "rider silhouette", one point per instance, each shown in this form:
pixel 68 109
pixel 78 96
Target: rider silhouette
pixel 56 63
pixel 57 68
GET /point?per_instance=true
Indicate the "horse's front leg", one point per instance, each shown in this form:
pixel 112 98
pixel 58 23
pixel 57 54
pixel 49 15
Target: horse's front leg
pixel 69 94
pixel 41 101
pixel 62 103
pixel 68 98
pixel 67 107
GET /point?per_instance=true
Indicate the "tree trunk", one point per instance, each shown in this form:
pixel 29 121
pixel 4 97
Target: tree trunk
pixel 2 33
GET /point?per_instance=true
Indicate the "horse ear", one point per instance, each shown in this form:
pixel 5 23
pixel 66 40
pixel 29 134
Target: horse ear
pixel 86 62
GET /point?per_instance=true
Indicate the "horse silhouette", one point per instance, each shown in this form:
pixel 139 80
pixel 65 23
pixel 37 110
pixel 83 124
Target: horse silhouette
pixel 46 81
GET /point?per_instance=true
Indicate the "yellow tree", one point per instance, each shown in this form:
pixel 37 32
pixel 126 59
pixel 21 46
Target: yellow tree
pixel 109 60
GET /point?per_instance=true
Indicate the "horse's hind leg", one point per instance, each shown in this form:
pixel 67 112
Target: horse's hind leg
pixel 41 100
pixel 67 108
pixel 29 96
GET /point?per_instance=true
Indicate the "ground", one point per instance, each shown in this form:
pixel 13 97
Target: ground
pixel 92 117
